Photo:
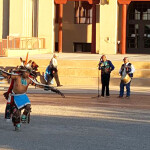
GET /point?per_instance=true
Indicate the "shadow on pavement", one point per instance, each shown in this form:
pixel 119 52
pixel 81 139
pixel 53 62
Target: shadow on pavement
pixel 75 133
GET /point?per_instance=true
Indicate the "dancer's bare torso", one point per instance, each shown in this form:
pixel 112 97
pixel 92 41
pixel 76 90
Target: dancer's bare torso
pixel 20 84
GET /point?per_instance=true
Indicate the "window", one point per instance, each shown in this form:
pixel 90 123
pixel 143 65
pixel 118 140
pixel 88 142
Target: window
pixel 82 12
pixel 82 47
pixel 133 36
pixel 147 36
pixel 140 11
pixel 35 8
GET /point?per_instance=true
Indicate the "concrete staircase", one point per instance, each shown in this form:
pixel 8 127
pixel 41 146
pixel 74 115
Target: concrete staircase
pixel 85 72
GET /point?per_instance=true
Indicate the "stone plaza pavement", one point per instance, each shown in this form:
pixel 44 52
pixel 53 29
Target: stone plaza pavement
pixel 80 121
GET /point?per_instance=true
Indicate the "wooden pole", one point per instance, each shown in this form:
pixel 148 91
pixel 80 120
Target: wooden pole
pixel 124 22
pixel 60 34
pixel 93 47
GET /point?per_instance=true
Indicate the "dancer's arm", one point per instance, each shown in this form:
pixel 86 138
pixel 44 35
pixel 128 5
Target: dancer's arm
pixel 46 87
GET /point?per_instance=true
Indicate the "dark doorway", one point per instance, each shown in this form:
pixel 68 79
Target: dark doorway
pixel 138 28
pixel 82 47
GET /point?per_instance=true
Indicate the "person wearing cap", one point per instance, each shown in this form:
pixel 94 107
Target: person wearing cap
pixel 106 67
pixel 126 69
pixel 54 71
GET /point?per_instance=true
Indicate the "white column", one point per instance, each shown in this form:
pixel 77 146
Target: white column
pixel 27 18
pixel 53 26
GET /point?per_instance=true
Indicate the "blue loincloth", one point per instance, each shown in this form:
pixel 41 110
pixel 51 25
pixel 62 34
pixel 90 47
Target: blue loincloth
pixel 21 100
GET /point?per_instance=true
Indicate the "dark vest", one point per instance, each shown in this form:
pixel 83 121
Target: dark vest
pixel 128 69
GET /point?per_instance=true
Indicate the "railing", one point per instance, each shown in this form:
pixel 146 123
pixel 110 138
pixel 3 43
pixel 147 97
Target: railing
pixel 21 43
pixel 3 47
pixel 28 43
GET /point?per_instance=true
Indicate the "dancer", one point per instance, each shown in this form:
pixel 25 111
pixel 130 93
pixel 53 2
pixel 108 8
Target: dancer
pixel 33 74
pixel 18 97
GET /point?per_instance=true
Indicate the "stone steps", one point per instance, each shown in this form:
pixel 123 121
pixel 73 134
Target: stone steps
pixel 85 72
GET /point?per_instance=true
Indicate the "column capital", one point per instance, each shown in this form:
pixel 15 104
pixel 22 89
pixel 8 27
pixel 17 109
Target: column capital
pixel 60 1
pixel 93 1
pixel 127 2
pixel 65 1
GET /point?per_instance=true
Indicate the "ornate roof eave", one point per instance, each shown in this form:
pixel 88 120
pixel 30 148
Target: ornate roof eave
pixel 65 1
pixel 128 1
pixel 124 1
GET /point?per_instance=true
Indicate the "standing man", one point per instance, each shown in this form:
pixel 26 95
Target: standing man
pixel 54 71
pixel 106 67
pixel 126 71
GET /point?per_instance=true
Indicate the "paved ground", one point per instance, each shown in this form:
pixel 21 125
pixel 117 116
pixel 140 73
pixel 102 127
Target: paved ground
pixel 80 122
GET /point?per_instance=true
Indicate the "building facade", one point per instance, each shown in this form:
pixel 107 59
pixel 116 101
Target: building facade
pixel 95 26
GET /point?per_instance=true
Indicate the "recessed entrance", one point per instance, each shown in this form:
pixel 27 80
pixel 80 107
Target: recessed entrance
pixel 138 28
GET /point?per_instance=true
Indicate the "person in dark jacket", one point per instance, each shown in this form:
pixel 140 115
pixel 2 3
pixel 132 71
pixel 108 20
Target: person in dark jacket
pixel 106 67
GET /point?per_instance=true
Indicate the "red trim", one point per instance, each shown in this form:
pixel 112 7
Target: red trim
pixel 60 1
pixel 124 1
pixel 65 1
pixel 129 1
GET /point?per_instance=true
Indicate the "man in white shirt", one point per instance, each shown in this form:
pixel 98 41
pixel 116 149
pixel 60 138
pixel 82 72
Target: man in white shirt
pixel 54 71
pixel 126 69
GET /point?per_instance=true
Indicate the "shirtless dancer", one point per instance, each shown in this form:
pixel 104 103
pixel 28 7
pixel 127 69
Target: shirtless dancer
pixel 19 97
pixel 33 74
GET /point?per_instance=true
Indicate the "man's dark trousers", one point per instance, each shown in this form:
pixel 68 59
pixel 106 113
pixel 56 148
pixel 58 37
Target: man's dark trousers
pixel 105 78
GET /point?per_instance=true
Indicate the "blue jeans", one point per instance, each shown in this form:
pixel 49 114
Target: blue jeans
pixel 122 85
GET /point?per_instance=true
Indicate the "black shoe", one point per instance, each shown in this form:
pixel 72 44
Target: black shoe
pixel 120 96
pixel 59 85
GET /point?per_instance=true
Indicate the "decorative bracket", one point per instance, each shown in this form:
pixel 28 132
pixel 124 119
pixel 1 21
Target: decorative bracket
pixel 65 1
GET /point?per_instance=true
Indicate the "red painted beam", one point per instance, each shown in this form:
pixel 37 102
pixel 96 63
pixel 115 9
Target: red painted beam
pixel 61 1
pixel 124 1
pixel 65 1
pixel 128 1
